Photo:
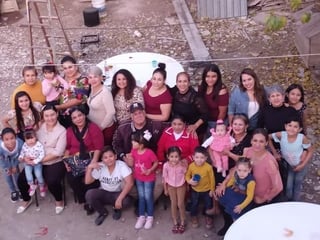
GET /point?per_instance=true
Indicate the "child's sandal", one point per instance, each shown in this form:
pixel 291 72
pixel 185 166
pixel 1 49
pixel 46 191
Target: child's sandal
pixel 175 228
pixel 182 228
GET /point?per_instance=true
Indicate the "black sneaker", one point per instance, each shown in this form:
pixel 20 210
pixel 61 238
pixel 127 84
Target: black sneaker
pixel 116 214
pixel 87 207
pixel 14 196
pixel 99 220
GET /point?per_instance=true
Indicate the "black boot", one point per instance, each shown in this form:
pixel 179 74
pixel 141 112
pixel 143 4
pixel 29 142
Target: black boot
pixel 227 223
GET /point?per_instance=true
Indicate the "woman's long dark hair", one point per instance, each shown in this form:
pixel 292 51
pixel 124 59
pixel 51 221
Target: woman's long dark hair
pixel 35 113
pixel 131 84
pixel 217 86
pixel 259 92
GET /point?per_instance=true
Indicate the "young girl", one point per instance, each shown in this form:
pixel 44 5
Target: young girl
pixel 53 85
pixel 239 190
pixel 25 114
pixel 295 98
pixel 145 163
pixel 10 147
pixel 201 178
pixel 297 150
pixel 219 141
pixel 32 154
pixel 174 185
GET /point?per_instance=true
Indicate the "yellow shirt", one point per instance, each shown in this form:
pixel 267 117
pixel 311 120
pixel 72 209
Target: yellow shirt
pixel 207 182
pixel 34 91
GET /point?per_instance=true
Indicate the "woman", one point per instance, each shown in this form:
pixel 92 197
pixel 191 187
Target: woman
pixel 265 171
pixel 273 118
pixel 248 98
pixel 177 135
pixel 77 93
pixel 239 125
pixel 125 92
pixel 25 114
pixel 115 190
pixel 53 136
pixel 84 140
pixel 191 106
pixel 100 102
pixel 215 95
pixel 31 85
pixel 157 98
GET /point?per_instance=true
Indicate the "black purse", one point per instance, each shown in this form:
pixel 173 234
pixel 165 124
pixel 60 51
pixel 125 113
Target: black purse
pixel 78 166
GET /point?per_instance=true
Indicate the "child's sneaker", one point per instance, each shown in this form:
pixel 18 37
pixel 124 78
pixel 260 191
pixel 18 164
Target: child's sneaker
pixel 209 222
pixel 149 223
pixel 14 196
pixel 32 189
pixel 43 191
pixel 140 222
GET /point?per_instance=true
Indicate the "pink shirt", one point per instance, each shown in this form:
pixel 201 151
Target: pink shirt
pixel 50 91
pixel 267 176
pixel 174 175
pixel 142 162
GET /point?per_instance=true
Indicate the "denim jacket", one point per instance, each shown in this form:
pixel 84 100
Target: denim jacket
pixel 239 103
pixel 10 159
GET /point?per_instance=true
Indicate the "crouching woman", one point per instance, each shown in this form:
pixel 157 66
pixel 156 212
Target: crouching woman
pixel 116 181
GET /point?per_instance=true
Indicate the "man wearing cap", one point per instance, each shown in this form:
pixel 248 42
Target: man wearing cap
pixel 138 123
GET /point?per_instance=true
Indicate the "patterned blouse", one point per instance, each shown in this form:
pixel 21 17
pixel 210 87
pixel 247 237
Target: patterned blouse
pixel 122 105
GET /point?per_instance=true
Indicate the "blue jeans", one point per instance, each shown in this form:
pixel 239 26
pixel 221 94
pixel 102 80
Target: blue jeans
pixel 196 197
pixel 145 194
pixel 11 179
pixel 294 183
pixel 37 171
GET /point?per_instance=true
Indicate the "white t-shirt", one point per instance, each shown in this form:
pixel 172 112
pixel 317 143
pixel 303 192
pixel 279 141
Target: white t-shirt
pixel 112 182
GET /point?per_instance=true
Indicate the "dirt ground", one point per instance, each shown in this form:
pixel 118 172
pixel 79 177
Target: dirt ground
pixel 227 41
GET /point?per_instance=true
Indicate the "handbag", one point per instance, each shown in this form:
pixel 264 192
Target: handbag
pixel 77 165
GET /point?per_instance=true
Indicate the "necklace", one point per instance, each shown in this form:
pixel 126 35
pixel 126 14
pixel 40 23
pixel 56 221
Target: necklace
pixel 92 96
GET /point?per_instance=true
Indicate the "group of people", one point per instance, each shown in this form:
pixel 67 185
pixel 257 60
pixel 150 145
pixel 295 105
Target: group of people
pixel 232 151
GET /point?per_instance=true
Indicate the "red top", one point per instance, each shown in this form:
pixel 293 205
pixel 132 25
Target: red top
pixel 93 139
pixel 187 143
pixel 143 162
pixel 213 105
pixel 152 104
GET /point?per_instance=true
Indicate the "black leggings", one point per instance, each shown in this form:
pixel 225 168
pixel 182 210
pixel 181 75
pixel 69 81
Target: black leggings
pixel 53 175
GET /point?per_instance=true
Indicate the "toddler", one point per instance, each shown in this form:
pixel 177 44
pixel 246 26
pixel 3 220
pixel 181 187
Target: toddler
pixel 53 86
pixel 32 154
pixel 219 141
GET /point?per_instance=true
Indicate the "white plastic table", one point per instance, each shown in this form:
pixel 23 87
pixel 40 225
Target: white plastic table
pixel 278 221
pixel 141 65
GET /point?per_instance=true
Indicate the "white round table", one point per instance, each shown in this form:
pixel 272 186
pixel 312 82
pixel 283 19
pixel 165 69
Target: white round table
pixel 278 221
pixel 141 65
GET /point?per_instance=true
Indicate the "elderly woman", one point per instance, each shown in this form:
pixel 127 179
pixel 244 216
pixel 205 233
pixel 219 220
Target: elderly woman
pixel 84 141
pixel 31 85
pixel 77 93
pixel 125 92
pixel 101 107
pixel 53 136
pixel 157 97
pixel 115 190
pixel 189 104
pixel 249 98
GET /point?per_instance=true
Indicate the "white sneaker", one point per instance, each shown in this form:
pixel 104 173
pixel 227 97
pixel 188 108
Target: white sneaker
pixel 59 209
pixel 140 222
pixel 149 223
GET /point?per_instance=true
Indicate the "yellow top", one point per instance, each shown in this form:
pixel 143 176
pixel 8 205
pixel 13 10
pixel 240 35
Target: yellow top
pixel 207 181
pixel 34 91
pixel 249 192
